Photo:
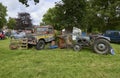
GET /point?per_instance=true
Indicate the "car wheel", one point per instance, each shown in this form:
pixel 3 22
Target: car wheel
pixel 40 45
pixel 101 46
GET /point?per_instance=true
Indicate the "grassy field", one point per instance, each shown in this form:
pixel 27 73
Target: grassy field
pixel 57 63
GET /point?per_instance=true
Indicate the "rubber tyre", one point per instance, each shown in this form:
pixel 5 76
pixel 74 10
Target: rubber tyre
pixel 40 45
pixel 101 46
pixel 77 47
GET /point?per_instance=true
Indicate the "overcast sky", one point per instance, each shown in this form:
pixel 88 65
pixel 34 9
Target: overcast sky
pixel 36 11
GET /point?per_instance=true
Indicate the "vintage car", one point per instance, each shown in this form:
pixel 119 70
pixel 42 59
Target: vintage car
pixel 38 37
pixel 41 36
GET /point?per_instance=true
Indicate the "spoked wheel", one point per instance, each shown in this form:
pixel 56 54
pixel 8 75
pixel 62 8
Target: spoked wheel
pixel 40 45
pixel 77 47
pixel 101 46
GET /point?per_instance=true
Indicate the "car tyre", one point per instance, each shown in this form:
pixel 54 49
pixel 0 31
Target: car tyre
pixel 40 45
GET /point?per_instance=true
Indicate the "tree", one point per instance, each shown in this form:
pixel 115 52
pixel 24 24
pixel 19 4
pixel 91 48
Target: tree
pixel 3 13
pixel 23 21
pixel 71 12
pixel 109 10
pixel 11 23
pixel 91 21
pixel 66 14
pixel 89 15
pixel 26 2
pixel 51 18
pixel 100 14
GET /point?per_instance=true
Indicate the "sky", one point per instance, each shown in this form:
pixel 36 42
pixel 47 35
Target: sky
pixel 36 11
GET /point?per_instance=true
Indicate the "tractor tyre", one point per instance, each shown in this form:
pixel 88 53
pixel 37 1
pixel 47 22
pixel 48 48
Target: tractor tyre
pixel 101 46
pixel 77 47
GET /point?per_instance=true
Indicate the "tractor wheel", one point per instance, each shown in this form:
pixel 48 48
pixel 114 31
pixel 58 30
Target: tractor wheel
pixel 40 45
pixel 101 46
pixel 77 47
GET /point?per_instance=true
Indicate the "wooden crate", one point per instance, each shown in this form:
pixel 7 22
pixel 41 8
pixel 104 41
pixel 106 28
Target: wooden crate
pixel 14 44
pixel 24 43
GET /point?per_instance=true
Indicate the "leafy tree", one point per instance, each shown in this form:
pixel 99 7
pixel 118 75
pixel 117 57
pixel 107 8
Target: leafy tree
pixel 26 2
pixel 109 10
pixel 3 13
pixel 91 21
pixel 66 14
pixel 72 13
pixel 89 15
pixel 23 21
pixel 11 23
pixel 51 18
pixel 100 14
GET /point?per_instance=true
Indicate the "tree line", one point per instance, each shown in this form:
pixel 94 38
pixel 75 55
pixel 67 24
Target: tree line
pixel 21 22
pixel 88 15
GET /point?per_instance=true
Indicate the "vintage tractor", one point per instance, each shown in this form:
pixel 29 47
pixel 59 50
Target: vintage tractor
pixel 98 43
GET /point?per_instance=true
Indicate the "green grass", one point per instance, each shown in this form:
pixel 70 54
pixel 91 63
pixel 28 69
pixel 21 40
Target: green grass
pixel 57 63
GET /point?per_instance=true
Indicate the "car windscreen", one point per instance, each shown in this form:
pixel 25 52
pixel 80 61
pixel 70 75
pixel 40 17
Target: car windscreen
pixel 41 29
